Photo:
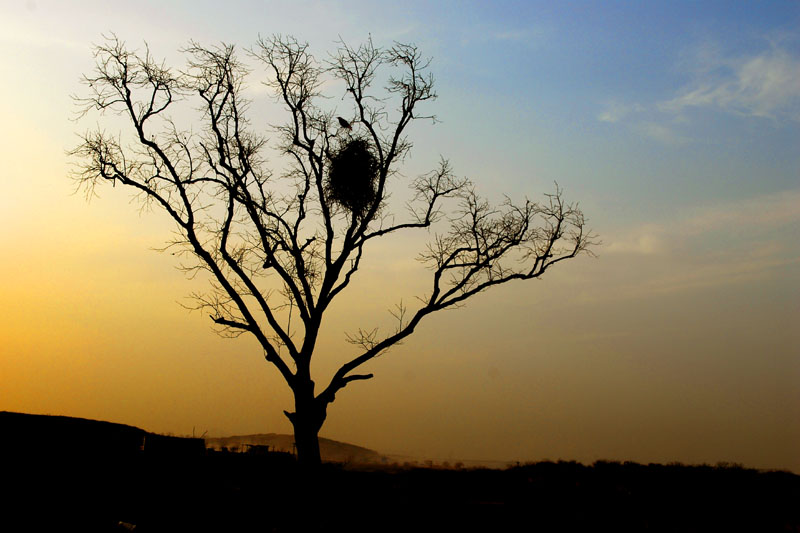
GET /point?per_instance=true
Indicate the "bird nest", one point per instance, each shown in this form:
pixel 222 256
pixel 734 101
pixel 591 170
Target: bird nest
pixel 353 177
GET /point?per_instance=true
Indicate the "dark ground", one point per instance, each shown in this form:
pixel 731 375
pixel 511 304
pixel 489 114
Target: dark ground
pixel 50 484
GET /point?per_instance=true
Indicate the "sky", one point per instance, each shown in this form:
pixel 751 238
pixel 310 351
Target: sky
pixel 676 125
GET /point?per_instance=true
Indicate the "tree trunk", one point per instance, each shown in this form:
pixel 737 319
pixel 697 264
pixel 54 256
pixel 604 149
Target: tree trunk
pixel 306 439
pixel 309 415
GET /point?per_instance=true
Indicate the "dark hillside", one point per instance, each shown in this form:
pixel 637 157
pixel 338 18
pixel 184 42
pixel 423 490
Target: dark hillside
pixel 58 435
pixel 102 479
pixel 331 450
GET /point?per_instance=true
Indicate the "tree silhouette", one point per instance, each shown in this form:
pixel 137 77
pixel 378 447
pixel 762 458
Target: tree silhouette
pixel 277 244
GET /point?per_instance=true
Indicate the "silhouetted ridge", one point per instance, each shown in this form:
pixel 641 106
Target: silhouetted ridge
pixel 110 481
pixel 330 450
pixel 50 435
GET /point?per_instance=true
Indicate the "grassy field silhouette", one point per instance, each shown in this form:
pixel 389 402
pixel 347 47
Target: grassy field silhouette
pixel 66 472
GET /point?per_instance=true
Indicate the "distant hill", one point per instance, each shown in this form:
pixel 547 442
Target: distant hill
pixel 56 435
pixel 62 473
pixel 330 450
pixel 26 433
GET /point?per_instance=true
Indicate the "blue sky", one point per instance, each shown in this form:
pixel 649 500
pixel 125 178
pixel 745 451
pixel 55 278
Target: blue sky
pixel 675 124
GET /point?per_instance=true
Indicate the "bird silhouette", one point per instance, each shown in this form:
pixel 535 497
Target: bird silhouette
pixel 343 123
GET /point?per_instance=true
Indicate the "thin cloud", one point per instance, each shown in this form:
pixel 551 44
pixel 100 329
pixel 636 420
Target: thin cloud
pixel 31 36
pixel 533 37
pixel 736 242
pixel 615 111
pixel 519 36
pixel 718 273
pixel 761 212
pixel 764 85
pixel 647 240
pixel 661 133
pixel 744 218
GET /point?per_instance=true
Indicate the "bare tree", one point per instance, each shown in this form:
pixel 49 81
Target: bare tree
pixel 294 241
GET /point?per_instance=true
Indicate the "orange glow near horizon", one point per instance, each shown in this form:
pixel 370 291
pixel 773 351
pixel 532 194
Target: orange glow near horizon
pixel 679 342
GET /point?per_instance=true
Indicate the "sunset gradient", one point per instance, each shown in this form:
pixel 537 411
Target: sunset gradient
pixel 676 125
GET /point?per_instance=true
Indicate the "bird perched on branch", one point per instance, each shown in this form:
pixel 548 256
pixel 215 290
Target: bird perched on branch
pixel 344 124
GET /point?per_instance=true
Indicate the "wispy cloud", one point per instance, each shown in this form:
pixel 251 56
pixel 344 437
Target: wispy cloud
pixel 643 122
pixel 747 218
pixel 616 111
pixel 661 133
pixel 530 37
pixel 734 242
pixel 18 33
pixel 725 271
pixel 758 213
pixel 645 240
pixel 765 85
pixel 520 36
